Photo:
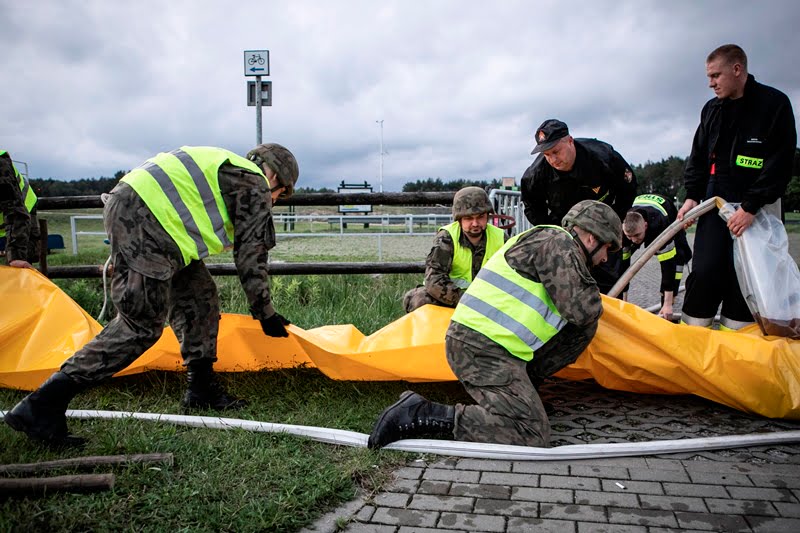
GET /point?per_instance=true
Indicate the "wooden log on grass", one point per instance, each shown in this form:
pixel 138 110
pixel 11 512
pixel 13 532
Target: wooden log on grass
pixel 87 462
pixel 41 486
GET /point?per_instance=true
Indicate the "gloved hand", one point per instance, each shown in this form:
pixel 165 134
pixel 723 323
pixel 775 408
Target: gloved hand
pixel 275 326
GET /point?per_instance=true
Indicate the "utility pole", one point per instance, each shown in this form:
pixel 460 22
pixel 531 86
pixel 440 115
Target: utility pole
pixel 380 177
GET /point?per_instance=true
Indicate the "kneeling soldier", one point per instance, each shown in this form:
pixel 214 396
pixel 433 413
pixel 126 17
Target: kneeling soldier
pixel 459 250
pixel 531 311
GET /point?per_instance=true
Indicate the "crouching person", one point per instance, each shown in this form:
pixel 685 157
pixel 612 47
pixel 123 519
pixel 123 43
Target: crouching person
pixel 531 311
pixel 162 219
pixel 459 250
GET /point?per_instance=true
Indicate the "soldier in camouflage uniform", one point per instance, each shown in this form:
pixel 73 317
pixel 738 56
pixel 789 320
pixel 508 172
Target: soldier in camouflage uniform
pixel 18 223
pixel 162 219
pixel 459 250
pixel 532 310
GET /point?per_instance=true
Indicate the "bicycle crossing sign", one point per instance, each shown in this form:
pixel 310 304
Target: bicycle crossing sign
pixel 256 62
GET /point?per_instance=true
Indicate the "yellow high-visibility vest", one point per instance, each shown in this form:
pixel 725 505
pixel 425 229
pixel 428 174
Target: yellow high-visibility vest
pixel 181 188
pixel 27 194
pixel 511 310
pixel 461 269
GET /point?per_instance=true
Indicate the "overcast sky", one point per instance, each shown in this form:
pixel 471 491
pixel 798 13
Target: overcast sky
pixel 92 87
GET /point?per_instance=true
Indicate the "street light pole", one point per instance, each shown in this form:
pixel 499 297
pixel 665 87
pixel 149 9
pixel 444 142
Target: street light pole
pixel 380 178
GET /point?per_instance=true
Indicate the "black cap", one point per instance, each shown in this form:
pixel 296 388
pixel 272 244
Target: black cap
pixel 548 134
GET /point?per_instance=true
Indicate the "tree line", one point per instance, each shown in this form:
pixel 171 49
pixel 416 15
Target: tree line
pixel 663 177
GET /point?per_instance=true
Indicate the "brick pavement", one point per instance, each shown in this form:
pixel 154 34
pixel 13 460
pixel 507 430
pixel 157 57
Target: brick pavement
pixel 750 489
pixel 637 494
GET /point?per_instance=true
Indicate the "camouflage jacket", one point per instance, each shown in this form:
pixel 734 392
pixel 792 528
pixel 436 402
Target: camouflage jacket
pixel 17 220
pixel 549 256
pixel 138 236
pixel 440 261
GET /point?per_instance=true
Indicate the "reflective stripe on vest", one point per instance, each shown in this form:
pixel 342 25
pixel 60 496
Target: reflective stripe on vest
pixel 667 253
pixel 181 189
pixel 461 268
pixel 650 200
pixel 509 309
pixel 27 194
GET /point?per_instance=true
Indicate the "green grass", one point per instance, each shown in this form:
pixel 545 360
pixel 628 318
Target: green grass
pixel 222 480
pixel 231 480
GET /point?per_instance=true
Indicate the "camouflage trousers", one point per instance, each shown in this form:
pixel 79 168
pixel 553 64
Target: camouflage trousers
pixel 417 297
pixel 509 409
pixel 188 301
pixel 34 240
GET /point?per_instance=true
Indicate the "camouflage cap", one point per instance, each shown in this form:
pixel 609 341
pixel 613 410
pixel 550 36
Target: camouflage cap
pixel 471 201
pixel 598 219
pixel 281 161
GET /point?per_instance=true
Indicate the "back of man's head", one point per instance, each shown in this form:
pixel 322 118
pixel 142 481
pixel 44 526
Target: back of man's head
pixel 633 223
pixel 730 54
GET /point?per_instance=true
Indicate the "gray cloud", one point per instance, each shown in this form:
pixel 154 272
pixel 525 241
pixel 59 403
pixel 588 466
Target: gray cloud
pixel 94 86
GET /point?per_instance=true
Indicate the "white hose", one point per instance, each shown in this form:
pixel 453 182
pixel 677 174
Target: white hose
pixel 466 449
pixel 666 235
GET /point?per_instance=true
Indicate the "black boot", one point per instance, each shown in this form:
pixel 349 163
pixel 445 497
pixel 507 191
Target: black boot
pixel 205 391
pixel 412 417
pixel 41 414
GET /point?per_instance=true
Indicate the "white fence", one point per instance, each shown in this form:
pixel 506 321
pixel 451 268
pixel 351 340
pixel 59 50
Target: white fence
pixel 510 203
pixel 505 203
pixel 74 231
pixel 323 226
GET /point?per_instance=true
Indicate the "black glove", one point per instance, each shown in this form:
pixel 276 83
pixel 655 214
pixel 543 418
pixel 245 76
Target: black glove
pixel 274 326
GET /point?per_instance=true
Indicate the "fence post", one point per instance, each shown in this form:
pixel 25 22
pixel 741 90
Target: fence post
pixel 74 235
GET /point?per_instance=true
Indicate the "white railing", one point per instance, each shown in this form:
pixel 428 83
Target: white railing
pixel 385 222
pixel 505 203
pixel 74 232
pixel 510 203
pixel 336 225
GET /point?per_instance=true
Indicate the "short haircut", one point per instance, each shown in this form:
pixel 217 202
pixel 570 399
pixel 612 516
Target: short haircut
pixel 731 53
pixel 633 223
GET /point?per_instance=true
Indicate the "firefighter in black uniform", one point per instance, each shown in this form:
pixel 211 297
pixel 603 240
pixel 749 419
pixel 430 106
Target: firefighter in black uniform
pixel 569 170
pixel 742 151
pixel 647 218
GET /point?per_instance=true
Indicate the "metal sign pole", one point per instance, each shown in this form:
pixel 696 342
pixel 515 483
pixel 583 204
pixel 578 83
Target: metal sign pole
pixel 258 110
pixel 256 63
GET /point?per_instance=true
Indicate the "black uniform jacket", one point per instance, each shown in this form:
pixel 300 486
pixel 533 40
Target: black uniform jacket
pixel 762 151
pixel 600 173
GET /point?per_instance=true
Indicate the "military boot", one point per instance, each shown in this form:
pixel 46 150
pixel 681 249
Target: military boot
pixel 205 391
pixel 41 415
pixel 412 417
